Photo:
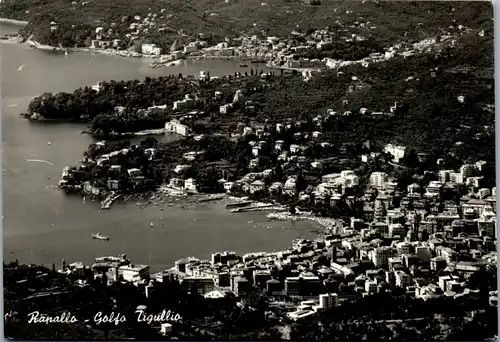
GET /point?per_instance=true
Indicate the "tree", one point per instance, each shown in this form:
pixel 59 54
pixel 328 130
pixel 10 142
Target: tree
pixel 410 159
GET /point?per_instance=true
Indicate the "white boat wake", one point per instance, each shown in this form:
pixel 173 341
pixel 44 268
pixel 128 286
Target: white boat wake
pixel 40 161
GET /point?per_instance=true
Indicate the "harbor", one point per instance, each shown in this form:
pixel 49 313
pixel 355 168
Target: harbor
pixel 33 199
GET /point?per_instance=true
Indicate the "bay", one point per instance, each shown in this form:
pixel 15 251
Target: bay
pixel 43 225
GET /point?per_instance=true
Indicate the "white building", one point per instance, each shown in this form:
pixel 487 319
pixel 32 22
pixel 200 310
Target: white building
pixel 371 286
pixel 133 273
pixel 190 184
pixel 444 175
pixel 174 126
pixel 97 87
pixel 480 165
pixel 402 279
pixel 150 49
pixel 473 181
pixel 456 177
pixel 257 186
pixel 397 229
pixel 413 190
pixel 397 152
pixel 378 179
pixel 228 186
pixel 190 48
pixel 166 328
pixel 381 256
pixel 467 170
pixel 328 301
pixel 186 103
pixel 294 148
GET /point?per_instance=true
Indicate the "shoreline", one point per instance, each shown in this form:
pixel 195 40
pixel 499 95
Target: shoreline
pixel 147 132
pixel 327 223
pixel 13 21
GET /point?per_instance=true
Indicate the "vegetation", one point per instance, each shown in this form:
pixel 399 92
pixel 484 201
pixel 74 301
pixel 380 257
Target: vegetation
pixel 426 88
pixel 389 317
pixel 389 21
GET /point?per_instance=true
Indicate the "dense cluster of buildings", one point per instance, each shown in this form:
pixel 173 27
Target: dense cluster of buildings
pixel 427 240
pixel 283 52
pixel 418 251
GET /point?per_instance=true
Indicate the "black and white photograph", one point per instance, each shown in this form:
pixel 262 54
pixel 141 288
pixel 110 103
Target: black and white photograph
pixel 248 170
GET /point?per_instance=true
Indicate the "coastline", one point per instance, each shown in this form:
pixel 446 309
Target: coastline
pixel 13 21
pixel 157 63
pixel 159 131
pixel 325 222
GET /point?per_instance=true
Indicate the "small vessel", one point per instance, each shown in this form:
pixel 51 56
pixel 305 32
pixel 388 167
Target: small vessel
pixel 66 52
pixel 49 143
pixel 21 67
pixel 151 224
pixel 99 236
pixel 243 65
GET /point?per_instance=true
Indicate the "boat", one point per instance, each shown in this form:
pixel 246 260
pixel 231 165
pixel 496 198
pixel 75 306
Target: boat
pixel 151 224
pixel 243 65
pixel 258 62
pixel 99 236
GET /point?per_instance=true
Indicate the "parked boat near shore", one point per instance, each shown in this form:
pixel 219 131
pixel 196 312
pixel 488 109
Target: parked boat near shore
pixel 99 236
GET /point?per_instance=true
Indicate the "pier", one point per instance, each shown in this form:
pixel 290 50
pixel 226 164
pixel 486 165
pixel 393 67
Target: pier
pixel 257 208
pixel 212 198
pixel 109 200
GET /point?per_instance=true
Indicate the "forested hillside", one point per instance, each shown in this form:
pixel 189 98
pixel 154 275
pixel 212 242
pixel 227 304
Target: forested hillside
pixel 388 21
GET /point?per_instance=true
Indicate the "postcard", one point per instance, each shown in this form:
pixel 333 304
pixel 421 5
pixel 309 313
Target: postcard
pixel 248 170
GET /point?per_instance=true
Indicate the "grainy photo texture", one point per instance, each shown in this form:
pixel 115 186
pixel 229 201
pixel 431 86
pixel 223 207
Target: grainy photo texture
pixel 248 170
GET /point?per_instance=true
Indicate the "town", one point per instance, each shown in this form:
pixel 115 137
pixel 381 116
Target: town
pixel 436 237
pixel 380 136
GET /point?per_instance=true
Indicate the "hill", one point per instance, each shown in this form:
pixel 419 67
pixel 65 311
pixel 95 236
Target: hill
pixel 387 21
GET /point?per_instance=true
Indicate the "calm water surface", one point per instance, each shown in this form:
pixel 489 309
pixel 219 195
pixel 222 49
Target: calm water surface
pixel 43 225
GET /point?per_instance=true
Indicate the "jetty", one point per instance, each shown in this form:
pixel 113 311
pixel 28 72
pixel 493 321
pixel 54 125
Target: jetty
pixel 257 208
pixel 212 198
pixel 109 200
pixel 238 204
